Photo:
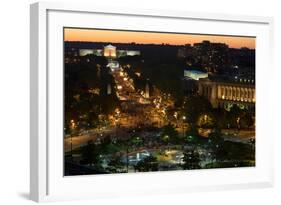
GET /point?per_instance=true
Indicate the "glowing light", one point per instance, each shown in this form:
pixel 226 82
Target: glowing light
pixel 138 74
pixel 72 34
pixel 73 125
pixel 205 118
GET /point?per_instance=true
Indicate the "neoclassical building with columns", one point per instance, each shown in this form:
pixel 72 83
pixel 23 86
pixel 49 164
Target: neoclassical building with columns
pixel 225 94
pixel 109 51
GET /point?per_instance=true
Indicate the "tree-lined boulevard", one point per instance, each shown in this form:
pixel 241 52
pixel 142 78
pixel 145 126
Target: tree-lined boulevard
pixel 122 116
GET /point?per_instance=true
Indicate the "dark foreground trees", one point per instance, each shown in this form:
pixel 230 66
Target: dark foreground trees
pixel 169 134
pixel 90 154
pixel 191 160
pixel 147 164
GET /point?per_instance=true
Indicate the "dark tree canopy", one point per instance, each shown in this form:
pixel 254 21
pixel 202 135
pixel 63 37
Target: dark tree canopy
pixel 195 106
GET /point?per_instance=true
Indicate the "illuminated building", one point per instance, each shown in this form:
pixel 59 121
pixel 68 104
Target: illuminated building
pixel 225 93
pixel 84 52
pixel 109 51
pixel 132 53
pixel 190 81
pixel 194 74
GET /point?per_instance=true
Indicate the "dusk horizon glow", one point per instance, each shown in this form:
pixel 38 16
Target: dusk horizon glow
pixel 139 37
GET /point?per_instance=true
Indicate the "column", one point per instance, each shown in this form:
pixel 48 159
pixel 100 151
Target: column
pixel 231 92
pixel 234 93
pixel 246 95
pixel 223 92
pixel 242 94
pixel 228 92
pixel 238 94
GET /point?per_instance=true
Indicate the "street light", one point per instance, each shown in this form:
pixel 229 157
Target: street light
pixel 72 125
pixel 238 122
pixel 183 119
pixel 117 111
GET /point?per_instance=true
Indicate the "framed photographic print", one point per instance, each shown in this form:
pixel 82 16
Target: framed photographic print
pixel 127 102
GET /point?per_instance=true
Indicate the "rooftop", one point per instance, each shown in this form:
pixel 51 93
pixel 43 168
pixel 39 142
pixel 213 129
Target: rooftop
pixel 110 46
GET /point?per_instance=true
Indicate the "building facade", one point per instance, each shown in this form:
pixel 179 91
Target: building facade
pixel 225 94
pixel 194 74
pixel 109 51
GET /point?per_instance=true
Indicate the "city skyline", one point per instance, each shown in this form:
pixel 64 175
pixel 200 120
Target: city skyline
pixel 157 107
pixel 114 36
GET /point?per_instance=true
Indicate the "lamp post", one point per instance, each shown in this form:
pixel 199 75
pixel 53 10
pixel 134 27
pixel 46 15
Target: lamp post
pixel 176 116
pixel 117 111
pixel 183 119
pixel 72 125
pixel 238 123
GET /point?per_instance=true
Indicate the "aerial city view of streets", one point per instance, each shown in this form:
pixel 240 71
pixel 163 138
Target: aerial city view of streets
pixel 139 107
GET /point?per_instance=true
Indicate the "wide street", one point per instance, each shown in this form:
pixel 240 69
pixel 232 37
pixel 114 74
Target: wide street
pixel 138 109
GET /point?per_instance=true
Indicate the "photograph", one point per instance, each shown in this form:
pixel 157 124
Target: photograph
pixel 149 101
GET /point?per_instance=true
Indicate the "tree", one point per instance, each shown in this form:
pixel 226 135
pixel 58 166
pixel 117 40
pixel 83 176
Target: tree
pixel 233 152
pixel 235 111
pixel 247 120
pixel 147 164
pixel 216 143
pixel 116 163
pixel 215 136
pixel 90 154
pixel 169 134
pixel 196 106
pixel 136 140
pixel 107 146
pixel 192 130
pixel 206 120
pixel 191 160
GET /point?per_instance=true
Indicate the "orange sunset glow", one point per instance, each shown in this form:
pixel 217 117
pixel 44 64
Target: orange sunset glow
pixel 94 35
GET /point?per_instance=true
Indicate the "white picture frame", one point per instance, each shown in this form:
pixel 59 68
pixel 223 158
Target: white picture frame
pixel 47 182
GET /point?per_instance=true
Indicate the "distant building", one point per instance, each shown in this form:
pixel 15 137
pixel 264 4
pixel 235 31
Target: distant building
pixel 186 51
pixel 84 52
pixel 132 53
pixel 225 93
pixel 194 74
pixel 109 51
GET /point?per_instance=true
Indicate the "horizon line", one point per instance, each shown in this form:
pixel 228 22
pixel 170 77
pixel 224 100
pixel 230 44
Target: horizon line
pixel 153 37
pixel 160 44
